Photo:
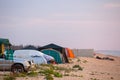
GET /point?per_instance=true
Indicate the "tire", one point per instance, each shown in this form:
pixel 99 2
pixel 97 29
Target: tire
pixel 17 68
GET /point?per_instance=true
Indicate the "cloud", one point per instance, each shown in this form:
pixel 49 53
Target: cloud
pixel 112 5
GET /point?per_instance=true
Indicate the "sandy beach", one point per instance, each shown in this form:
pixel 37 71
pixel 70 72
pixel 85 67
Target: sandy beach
pixel 93 69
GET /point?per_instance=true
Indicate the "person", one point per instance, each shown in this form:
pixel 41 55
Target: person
pixel 50 59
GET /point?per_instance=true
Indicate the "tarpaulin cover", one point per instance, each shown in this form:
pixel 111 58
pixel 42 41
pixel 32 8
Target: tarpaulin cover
pixel 70 53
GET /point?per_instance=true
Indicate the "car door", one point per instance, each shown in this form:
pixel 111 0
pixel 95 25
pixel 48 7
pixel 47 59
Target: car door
pixel 5 64
pixel 1 63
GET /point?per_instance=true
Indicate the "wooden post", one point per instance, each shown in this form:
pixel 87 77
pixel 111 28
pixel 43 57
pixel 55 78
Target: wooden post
pixel 2 48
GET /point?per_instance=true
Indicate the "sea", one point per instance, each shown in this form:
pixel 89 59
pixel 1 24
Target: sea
pixel 109 52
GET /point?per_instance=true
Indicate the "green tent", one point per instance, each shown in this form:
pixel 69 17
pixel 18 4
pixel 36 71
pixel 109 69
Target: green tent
pixel 4 41
pixel 53 53
pixel 57 48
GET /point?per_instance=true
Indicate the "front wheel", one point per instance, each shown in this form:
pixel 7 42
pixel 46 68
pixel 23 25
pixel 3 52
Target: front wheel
pixel 17 68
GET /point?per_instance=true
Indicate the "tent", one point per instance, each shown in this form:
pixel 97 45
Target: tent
pixel 34 55
pixel 70 53
pixel 31 47
pixel 5 48
pixel 4 41
pixel 57 48
pixel 57 55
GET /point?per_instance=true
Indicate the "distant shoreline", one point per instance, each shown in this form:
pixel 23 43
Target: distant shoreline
pixel 109 52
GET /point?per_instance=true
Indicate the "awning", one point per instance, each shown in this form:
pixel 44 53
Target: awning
pixel 4 41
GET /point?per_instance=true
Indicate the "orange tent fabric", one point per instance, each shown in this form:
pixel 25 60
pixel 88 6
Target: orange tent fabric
pixel 70 53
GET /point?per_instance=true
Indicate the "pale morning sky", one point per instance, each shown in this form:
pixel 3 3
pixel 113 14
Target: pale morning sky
pixel 68 23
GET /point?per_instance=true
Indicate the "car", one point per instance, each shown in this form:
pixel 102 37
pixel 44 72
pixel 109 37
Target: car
pixel 17 65
pixel 34 55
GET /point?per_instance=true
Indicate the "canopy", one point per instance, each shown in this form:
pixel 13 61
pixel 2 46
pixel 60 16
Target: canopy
pixel 4 41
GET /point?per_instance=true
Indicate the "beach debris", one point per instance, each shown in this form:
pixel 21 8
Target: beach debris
pixel 104 58
pixel 107 58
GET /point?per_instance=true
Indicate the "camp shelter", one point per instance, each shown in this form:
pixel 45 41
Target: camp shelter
pixel 4 41
pixel 53 53
pixel 58 48
pixel 70 53
pixel 34 55
pixel 31 47
pixel 5 48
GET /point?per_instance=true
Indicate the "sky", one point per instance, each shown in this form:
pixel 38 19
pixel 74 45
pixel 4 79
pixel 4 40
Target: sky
pixel 83 24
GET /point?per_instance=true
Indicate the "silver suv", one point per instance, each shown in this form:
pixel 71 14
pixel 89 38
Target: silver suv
pixel 16 65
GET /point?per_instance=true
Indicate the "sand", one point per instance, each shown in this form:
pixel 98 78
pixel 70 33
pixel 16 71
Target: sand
pixel 93 69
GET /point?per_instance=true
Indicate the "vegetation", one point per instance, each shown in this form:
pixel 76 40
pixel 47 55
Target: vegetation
pixel 94 79
pixel 93 73
pixel 74 75
pixel 81 76
pixel 48 70
pixel 9 77
pixel 66 75
pixel 78 60
pixel 85 61
pixel 49 77
pixel 32 74
pixel 19 75
pixel 57 74
pixel 78 67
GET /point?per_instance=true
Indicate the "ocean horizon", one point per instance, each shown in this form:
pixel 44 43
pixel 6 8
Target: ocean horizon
pixel 109 52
